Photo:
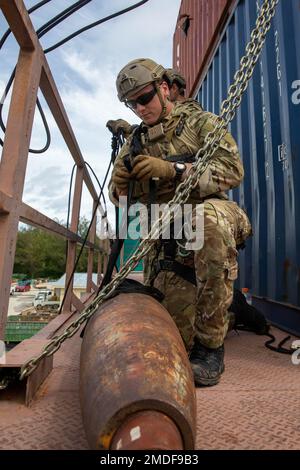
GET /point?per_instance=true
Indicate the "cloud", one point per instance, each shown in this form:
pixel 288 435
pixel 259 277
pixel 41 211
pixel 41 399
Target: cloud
pixel 83 67
pixel 47 191
pixel 99 102
pixel 146 31
pixel 52 174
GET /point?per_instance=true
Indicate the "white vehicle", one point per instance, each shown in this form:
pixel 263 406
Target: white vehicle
pixel 42 299
pixel 44 293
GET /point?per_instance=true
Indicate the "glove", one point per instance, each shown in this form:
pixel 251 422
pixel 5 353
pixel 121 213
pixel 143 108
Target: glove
pixel 119 125
pixel 120 175
pixel 146 167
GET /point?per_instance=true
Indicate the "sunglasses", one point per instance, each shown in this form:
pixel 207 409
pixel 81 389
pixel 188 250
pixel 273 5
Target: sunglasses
pixel 142 99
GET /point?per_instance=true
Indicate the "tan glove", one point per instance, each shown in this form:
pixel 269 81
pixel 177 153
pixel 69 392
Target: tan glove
pixel 119 125
pixel 146 167
pixel 120 176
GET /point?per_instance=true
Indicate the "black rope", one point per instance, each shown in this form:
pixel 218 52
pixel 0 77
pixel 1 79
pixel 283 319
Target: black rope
pixel 249 318
pixel 42 114
pixel 40 33
pixel 70 194
pixel 7 88
pixel 269 343
pixel 69 203
pixel 87 233
pixel 62 16
pixel 116 247
pixel 116 141
pixel 92 25
pixel 31 10
pixel 100 186
pixel 280 349
pixel 2 41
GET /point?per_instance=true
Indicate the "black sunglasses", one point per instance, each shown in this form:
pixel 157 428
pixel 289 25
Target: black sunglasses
pixel 142 100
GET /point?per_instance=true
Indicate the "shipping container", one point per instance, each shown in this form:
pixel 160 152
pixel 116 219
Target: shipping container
pixel 267 130
pixel 197 31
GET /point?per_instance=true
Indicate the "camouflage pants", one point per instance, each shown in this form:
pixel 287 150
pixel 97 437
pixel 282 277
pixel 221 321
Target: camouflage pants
pixel 202 310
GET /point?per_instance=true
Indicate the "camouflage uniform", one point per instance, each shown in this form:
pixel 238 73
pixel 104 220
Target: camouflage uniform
pixel 198 310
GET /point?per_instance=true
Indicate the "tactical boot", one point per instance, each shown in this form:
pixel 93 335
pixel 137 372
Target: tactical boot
pixel 207 364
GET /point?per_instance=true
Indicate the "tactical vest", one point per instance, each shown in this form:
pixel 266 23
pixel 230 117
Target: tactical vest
pixel 171 137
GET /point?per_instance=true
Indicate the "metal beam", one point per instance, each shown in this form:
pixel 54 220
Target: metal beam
pixel 79 306
pixel 19 22
pixel 13 165
pixel 6 203
pixel 56 106
pixel 71 245
pixel 92 237
pixel 31 216
pixel 32 71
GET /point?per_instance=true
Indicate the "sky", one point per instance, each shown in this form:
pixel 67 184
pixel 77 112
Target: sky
pixel 85 70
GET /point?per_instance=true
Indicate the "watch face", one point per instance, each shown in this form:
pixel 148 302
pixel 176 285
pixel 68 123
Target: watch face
pixel 180 167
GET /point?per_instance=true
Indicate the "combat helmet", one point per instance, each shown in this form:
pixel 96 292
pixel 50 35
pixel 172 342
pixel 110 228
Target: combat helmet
pixel 173 76
pixel 136 75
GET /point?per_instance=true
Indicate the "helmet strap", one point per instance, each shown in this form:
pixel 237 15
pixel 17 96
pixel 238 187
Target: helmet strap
pixel 162 102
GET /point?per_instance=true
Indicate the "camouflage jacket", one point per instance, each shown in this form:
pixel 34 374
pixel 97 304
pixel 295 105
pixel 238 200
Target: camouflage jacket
pixel 183 131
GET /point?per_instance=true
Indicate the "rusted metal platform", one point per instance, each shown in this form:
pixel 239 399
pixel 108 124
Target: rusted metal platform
pixel 256 405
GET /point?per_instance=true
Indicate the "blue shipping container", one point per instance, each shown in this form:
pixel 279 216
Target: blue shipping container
pixel 267 130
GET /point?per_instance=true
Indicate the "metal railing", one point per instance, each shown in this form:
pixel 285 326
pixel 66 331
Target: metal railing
pixel 33 73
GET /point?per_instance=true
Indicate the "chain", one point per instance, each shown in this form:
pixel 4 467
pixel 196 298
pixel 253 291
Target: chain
pixel 211 143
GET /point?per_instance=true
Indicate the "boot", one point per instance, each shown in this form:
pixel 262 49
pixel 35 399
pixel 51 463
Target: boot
pixel 207 364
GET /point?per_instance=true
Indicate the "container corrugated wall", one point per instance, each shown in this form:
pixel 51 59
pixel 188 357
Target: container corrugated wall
pixel 267 129
pixel 197 30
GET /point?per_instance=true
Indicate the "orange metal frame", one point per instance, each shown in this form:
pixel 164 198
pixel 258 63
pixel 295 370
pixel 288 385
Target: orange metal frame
pixel 32 73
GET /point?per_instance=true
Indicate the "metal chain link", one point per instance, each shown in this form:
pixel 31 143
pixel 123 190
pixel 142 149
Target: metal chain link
pixel 211 143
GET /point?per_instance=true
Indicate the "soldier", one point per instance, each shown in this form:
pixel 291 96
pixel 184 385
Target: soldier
pixel 177 85
pixel 197 284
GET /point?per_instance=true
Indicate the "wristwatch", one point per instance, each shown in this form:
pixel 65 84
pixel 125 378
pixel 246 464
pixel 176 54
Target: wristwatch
pixel 180 169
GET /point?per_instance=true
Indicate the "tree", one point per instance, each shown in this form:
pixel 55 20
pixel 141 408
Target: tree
pixel 42 254
pixel 39 253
